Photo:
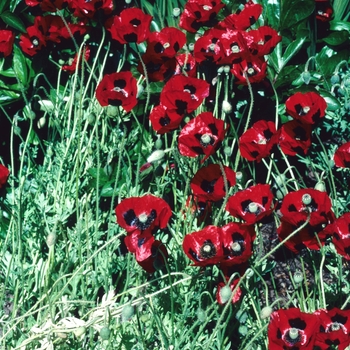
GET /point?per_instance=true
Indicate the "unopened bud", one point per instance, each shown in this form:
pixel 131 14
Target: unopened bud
pixel 226 107
pixel 265 312
pixel 320 186
pixel 51 239
pixel 127 312
pixel 335 79
pixel 306 77
pixel 112 111
pixel 225 294
pixel 156 156
pixel 202 315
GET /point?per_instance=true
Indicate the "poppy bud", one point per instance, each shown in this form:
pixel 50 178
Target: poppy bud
pixel 227 69
pixel 298 277
pixel 265 312
pixel 51 239
pixel 79 331
pixel 112 111
pixel 226 107
pixel 220 70
pixel 249 273
pixel 41 122
pixel 17 130
pixel 91 118
pixel 227 151
pixel 306 199
pixel 306 77
pixel 243 329
pixel 225 294
pixel 239 176
pixel 176 12
pixel 280 180
pixel 191 46
pixel 320 186
pixel 61 62
pixel 241 316
pixel 128 2
pixel 202 315
pixel 156 156
pixel 279 194
pixel 159 143
pixel 335 79
pixel 105 333
pixel 127 312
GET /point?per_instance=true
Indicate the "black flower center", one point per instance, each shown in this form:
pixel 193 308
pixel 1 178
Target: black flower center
pixel 142 222
pixel 135 22
pixel 208 186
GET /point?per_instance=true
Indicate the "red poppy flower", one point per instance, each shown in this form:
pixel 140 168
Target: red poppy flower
pixel 251 204
pixel 342 156
pixel 7 38
pixel 324 10
pixel 135 240
pixel 138 214
pixel 257 142
pixel 4 174
pixel 33 41
pixel 162 121
pixel 199 13
pixel 237 244
pixel 204 247
pixel 132 26
pixel 244 19
pixel 292 329
pixel 158 69
pixel 309 108
pixel 201 135
pixel 46 5
pixel 296 207
pixel 254 68
pixel 183 94
pixel 151 255
pixel 334 328
pixel 208 183
pixel 222 290
pixel 305 237
pixel 262 41
pixel 83 8
pixel 166 43
pixel 185 63
pixel 208 47
pixel 199 208
pixel 117 89
pixel 234 47
pixel 70 68
pixel 295 137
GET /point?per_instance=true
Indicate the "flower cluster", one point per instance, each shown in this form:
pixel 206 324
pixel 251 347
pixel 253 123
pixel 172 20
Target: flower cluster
pixel 294 329
pixel 140 216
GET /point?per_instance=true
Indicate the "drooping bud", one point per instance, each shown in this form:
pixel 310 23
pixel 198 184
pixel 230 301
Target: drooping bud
pixel 265 312
pixel 225 294
pixel 226 107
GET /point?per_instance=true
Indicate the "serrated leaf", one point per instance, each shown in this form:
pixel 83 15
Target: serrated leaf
pixel 337 38
pixel 294 11
pixel 13 21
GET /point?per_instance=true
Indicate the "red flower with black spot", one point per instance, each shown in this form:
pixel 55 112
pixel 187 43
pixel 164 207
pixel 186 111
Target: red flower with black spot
pixel 166 43
pixel 309 236
pixel 208 183
pixel 295 137
pixel 33 41
pixel 152 255
pixel 204 247
pixel 222 293
pixel 251 204
pixel 163 121
pixel 340 232
pixel 4 174
pixel 46 5
pixel 342 156
pixel 135 240
pixel 158 69
pixel 244 19
pixel 257 142
pixel 117 89
pixel 139 214
pixel 183 94
pixel 7 38
pixel 199 13
pixel 298 205
pixel 201 135
pixel 234 47
pixel 132 26
pixel 334 328
pixel 308 108
pixel 324 10
pixel 186 64
pixel 237 242
pixel 83 8
pixel 262 41
pixel 254 68
pixel 292 329
pixel 208 47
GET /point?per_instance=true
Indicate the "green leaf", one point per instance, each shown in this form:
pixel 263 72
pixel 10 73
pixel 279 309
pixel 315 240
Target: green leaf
pixel 20 66
pixel 327 59
pixel 294 11
pixel 3 5
pixel 13 21
pixel 340 25
pixel 337 38
pixel 94 172
pixel 272 12
pixel 292 49
pixel 332 103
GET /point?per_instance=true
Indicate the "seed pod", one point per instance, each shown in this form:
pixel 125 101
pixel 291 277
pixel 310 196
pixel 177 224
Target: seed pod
pixel 105 333
pixel 127 312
